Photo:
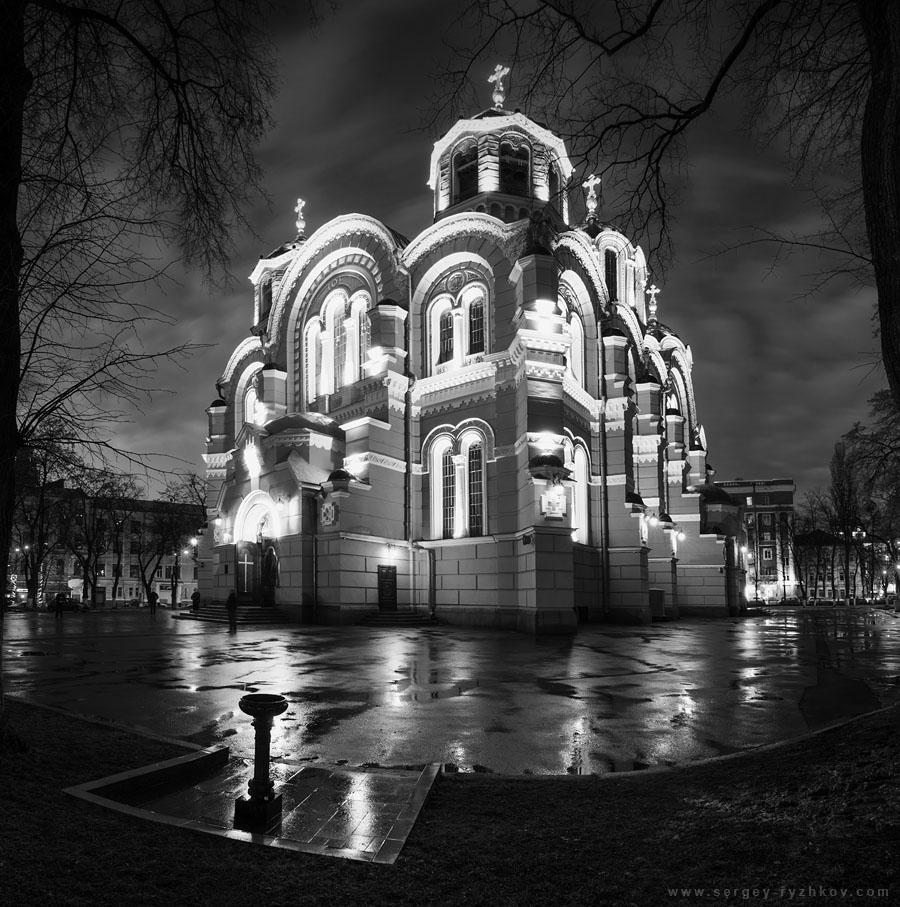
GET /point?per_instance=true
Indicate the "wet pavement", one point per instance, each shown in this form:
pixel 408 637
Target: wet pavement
pixel 609 699
pixel 362 814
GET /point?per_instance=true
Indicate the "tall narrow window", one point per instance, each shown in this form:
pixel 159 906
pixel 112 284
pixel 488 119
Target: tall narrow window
pixel 611 260
pixel 340 348
pixel 465 174
pixel 364 338
pixel 476 327
pixel 576 350
pixel 555 199
pixel 445 337
pixel 265 298
pixel 448 494
pixel 311 369
pixel 476 491
pixel 513 170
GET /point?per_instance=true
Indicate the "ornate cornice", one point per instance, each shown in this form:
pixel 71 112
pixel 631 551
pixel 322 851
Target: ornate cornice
pixel 356 462
pixel 466 225
pixel 245 348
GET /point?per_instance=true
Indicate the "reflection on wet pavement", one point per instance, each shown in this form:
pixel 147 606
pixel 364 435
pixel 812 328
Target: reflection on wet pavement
pixel 610 699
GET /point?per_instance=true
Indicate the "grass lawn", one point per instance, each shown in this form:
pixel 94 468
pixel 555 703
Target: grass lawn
pixel 820 813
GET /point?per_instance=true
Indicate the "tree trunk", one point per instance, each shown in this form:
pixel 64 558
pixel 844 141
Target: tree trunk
pixel 880 161
pixel 15 81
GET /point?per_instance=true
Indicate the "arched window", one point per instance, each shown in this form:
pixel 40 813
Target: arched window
pixel 251 402
pixel 476 327
pixel 465 173
pixel 365 337
pixel 265 298
pixel 611 261
pixel 475 495
pixel 576 349
pixel 581 517
pixel 311 361
pixel 339 335
pixel 448 494
pixel 553 180
pixel 445 337
pixel 514 169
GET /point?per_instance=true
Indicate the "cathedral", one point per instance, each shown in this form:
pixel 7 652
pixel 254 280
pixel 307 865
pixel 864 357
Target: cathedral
pixel 487 424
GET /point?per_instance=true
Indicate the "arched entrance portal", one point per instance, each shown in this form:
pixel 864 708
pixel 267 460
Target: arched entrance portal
pixel 257 528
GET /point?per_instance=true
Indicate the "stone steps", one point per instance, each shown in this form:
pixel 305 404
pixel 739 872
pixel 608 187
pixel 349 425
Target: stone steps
pixel 248 614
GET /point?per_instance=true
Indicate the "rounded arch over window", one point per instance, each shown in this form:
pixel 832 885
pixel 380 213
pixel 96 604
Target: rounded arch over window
pixel 465 172
pixel 246 398
pixel 457 461
pixel 456 323
pixel 581 513
pixel 575 360
pixel 257 517
pixel 515 168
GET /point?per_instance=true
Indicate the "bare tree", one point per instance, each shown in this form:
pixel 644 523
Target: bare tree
pixel 624 82
pixel 124 125
pixel 38 517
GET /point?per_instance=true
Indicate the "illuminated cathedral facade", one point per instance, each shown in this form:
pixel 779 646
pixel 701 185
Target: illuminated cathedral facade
pixel 487 423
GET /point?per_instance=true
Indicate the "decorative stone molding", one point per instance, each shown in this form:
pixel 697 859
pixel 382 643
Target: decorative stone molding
pixel 460 378
pixel 642 444
pixel 357 461
pixel 616 479
pixel 245 348
pixel 582 250
pixel 468 225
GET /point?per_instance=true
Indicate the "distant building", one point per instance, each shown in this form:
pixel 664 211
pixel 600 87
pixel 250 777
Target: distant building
pixel 119 564
pixel 488 422
pixel 768 518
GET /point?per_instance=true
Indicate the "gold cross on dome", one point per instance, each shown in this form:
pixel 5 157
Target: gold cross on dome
pixel 590 184
pixel 499 94
pixel 301 222
pixel 653 292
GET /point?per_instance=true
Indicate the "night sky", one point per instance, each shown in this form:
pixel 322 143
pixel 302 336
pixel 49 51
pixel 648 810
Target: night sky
pixel 778 377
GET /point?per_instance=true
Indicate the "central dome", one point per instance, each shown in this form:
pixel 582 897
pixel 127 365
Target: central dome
pixel 501 163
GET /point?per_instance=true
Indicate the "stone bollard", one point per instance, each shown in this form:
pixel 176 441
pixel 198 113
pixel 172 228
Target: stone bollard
pixel 262 808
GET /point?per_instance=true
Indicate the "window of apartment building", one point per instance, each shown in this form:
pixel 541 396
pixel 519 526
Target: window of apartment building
pixel 766 519
pixel 135 526
pixel 195 573
pixel 101 569
pixel 134 571
pixel 766 554
pixel 158 572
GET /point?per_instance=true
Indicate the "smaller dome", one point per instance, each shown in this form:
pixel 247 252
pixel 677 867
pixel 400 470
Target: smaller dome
pixel 218 402
pixel 305 422
pixel 340 475
pixel 271 367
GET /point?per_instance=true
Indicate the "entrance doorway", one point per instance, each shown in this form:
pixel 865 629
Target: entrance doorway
pixel 246 571
pixel 387 588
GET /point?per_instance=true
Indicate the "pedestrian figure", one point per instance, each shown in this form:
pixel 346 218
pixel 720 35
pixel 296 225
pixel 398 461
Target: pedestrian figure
pixel 153 598
pixel 60 601
pixel 195 600
pixel 231 608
